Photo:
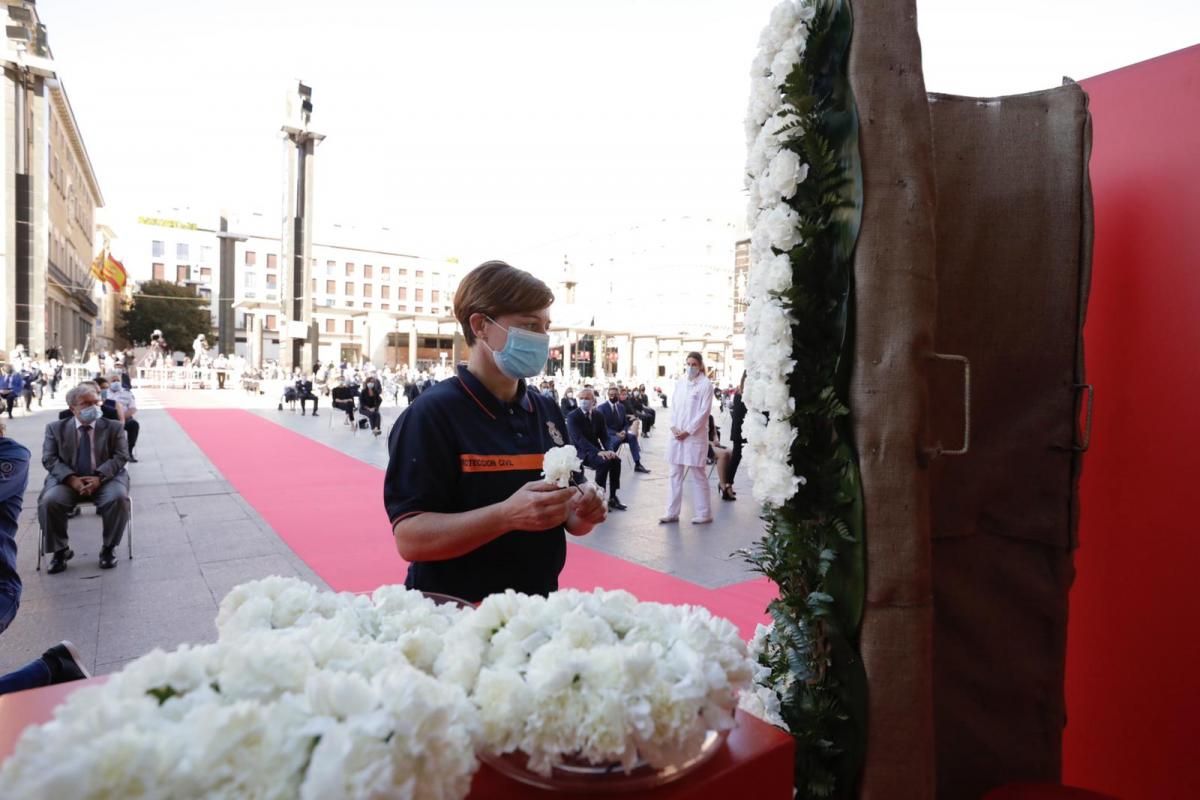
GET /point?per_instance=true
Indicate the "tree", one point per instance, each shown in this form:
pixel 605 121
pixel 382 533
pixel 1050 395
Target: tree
pixel 175 310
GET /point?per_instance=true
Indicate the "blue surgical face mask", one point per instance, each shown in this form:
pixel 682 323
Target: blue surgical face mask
pixel 586 405
pixel 693 371
pixel 524 353
pixel 89 414
pixel 104 394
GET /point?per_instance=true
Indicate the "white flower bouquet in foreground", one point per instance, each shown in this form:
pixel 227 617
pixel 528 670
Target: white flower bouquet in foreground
pixel 312 694
pixel 306 694
pixel 596 677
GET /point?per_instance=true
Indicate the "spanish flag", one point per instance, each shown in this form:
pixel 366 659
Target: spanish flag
pixel 114 272
pixel 98 266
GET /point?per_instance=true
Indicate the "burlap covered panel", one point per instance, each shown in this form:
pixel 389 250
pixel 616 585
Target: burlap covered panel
pixel 1013 231
pixel 895 300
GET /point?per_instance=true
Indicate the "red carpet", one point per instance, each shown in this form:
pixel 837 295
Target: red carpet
pixel 328 507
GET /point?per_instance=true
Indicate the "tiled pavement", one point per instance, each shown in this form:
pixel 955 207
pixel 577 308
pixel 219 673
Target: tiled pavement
pixel 195 537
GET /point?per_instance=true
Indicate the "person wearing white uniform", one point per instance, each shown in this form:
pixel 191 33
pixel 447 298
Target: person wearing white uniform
pixel 687 452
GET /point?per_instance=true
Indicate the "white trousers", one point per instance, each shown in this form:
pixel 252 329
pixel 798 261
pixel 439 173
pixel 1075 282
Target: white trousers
pixel 699 480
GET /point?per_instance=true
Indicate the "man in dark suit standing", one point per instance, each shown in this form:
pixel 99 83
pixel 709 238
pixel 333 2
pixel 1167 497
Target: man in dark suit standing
pixel 588 433
pixel 84 456
pixel 619 431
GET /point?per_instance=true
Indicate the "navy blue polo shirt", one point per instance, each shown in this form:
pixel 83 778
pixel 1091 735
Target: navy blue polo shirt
pixel 458 448
pixel 14 475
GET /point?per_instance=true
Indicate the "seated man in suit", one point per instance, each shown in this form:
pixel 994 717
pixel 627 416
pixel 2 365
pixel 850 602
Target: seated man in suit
pixel 619 430
pixel 343 398
pixel 85 459
pixel 589 434
pixel 639 406
pixel 304 390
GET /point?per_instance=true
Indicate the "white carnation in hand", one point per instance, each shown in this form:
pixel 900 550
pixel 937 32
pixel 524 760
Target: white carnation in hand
pixel 560 464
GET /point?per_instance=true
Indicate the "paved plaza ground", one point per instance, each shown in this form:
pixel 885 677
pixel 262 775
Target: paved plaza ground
pixel 195 536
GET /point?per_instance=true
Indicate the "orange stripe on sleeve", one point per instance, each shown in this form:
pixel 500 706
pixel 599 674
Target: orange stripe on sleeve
pixel 471 462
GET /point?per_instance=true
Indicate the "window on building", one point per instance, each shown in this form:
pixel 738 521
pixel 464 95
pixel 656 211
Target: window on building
pixel 158 249
pixel 314 285
pixel 251 258
pixel 402 308
pixel 349 287
pixel 366 305
pixel 420 274
pixel 420 295
pixel 419 310
pixel 181 251
pixel 206 256
pixel 385 291
pixel 272 280
pixel 249 279
pixel 385 306
pixel 330 266
pixel 270 322
pixel 401 292
pixel 272 261
pixel 349 304
pixel 181 273
pixel 402 272
pixel 366 290
pixel 330 287
pixel 367 270
pixel 385 272
pixel 330 326
pixel 349 267
pixel 158 271
pixel 206 273
pixel 348 326
pixel 433 296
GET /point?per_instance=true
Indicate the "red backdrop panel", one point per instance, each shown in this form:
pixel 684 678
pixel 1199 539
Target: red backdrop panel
pixel 1133 702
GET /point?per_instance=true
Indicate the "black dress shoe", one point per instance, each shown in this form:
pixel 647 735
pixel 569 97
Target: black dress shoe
pixel 65 663
pixel 133 458
pixel 107 559
pixel 59 562
pixel 639 468
pixel 616 505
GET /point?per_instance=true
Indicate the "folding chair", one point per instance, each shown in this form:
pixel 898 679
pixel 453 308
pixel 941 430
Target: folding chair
pixel 90 502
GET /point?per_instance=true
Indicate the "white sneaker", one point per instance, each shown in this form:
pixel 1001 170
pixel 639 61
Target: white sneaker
pixel 667 520
pixel 702 520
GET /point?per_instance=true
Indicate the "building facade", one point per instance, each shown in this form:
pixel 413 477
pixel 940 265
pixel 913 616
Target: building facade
pixel 369 301
pixel 49 302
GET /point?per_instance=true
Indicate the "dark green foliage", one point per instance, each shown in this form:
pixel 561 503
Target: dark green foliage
pixel 813 548
pixel 175 310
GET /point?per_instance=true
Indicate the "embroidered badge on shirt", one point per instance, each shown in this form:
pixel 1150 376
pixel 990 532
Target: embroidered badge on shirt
pixel 6 470
pixel 554 434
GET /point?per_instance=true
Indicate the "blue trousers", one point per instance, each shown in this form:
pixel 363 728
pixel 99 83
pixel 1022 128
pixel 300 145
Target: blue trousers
pixel 634 447
pixel 35 673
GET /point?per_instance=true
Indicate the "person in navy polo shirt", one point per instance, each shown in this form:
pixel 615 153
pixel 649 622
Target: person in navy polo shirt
pixel 463 489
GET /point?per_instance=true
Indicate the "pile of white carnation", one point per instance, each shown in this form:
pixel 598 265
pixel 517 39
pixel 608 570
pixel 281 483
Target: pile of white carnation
pixel 312 694
pixel 305 694
pixel 596 677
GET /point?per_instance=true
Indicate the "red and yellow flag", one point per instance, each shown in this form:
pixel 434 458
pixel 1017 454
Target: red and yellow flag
pixel 98 266
pixel 114 272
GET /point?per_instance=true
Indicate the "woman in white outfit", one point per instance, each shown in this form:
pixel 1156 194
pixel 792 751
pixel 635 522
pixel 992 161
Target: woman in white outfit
pixel 687 453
